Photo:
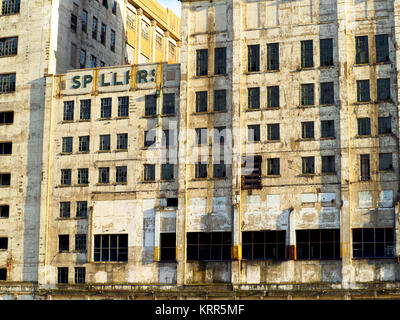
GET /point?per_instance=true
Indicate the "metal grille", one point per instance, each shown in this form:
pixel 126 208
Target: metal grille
pixel 7 83
pixel 8 47
pixel 10 6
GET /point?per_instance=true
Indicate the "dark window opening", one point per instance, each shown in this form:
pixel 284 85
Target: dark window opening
pixel 307 130
pixel 62 275
pixel 103 34
pixel 251 172
pixel 68 111
pixel 4 211
pixel 5 179
pixel 326 52
pixel 123 106
pixel 121 174
pixel 7 83
pixel 273 132
pixel 150 138
pixel 106 105
pixel 201 101
pixel 273 97
pixel 169 103
pixel 65 208
pixel 219 100
pixel 364 126
pixel 308 165
pixel 307 94
pixel 263 245
pixel 328 164
pixel 273 56
pixel 219 170
pixel 81 209
pixel 200 170
pixel 150 108
pixel 253 132
pixel 220 61
pixel 10 6
pixel 172 202
pixel 84 144
pixel 122 141
pixel 83 176
pixel 383 87
pixel 363 94
pixel 385 161
pixel 6 117
pixel 319 244
pixel 253 98
pixel 3 274
pixel 327 129
pixel 6 148
pixel 149 173
pixel 63 242
pixel 373 243
pixel 201 135
pixel 8 47
pixel 382 48
pixel 80 274
pixel 202 62
pixel 85 109
pixel 3 243
pixel 307 55
pixel 111 247
pixel 362 51
pixel 167 171
pixel 253 58
pixel 80 242
pixel 327 93
pixel 105 142
pixel 208 246
pixel 273 166
pixel 365 167
pixel 167 246
pixel 74 22
pixel 104 175
pixel 384 125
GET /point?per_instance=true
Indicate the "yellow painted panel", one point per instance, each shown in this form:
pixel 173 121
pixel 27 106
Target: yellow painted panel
pixel 131 37
pixel 145 47
pixel 159 56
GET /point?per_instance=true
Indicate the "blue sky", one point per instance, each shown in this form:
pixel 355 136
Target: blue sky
pixel 173 5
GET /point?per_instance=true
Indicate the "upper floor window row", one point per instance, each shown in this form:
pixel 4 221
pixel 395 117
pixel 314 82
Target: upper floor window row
pixel 7 83
pixel 381 49
pixel 8 47
pixel 10 6
pixel 202 61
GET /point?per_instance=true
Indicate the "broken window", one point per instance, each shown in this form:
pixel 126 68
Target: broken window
pixel 319 244
pixel 385 161
pixel 3 274
pixel 85 109
pixel 150 138
pixel 62 273
pixel 273 97
pixel 74 22
pixel 373 243
pixel 80 242
pixel 327 129
pixel 202 62
pixel 68 111
pixel 307 130
pixel 362 51
pixel 6 117
pixel 121 174
pixel 80 274
pixel 200 170
pixel 167 171
pixel 10 6
pixel 106 105
pixel 253 96
pixel 219 170
pixel 6 148
pixel 123 106
pixel 65 208
pixel 3 243
pixel 307 55
pixel 365 168
pixel 104 175
pixel 253 132
pixel 327 93
pixel 82 59
pixel 84 144
pixel 308 165
pixel 81 209
pixel 382 48
pixel 7 83
pixel 201 135
pixel 263 245
pixel 251 172
pixel 104 144
pixel 149 173
pixel 4 211
pixel 201 101
pixel 328 164
pixel 219 100
pixel 84 21
pixel 112 41
pixel 169 104
pixel 307 94
pixel 65 177
pixel 83 176
pixel 363 91
pixel 273 166
pixel 209 245
pixel 111 247
pixel 273 133
pixel 122 141
pixel 384 125
pixel 8 46
pixel 272 56
pixel 167 246
pixel 364 126
pixel 253 56
pixel 150 105
pixel 383 86
pixel 326 52
pixel 220 61
pixel 63 242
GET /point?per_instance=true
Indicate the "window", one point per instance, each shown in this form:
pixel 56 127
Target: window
pixel 80 242
pixel 264 245
pixel 169 103
pixel 8 47
pixel 112 41
pixel 382 48
pixel 84 144
pixel 73 55
pixel 6 117
pixel 82 59
pixel 5 179
pixel 111 247
pixel 80 274
pixel 122 141
pixel 321 244
pixel 307 94
pixel 65 208
pixel 209 245
pixel 5 148
pixel 7 83
pixel 168 137
pixel 68 111
pixel 62 275
pixel 83 176
pixel 384 125
pixel 10 6
pixel 104 144
pixel 85 109
pixel 219 135
pixel 171 52
pixel 220 61
pixel 363 91
pixel 253 95
pixel 93 61
pixel 253 57
pixel 150 105
pixel 307 55
pixel 253 132
pixel 327 129
pixel 63 242
pixel 327 93
pixel 251 172
pixel 201 135
pixel 385 161
pixel 74 22
pixel 365 169
pixel 84 21
pixel 202 62
pixel 328 164
pixel 120 174
pixel 308 165
pixel 167 246
pixel 3 243
pixel 200 170
pixel 373 243
pixel 159 42
pixel 145 31
pixel 114 7
pixel 130 20
pixel 362 52
pixel 219 170
pixel 81 209
pixel 104 175
pixel 106 104
pixel 307 130
pixel 105 4
pixel 364 126
pixel 273 97
pixel 172 202
pixel 150 138
pixel 123 106
pixel 103 34
pixel 272 56
pixel 219 100
pixel 102 63
pixel 326 52
pixel 201 101
pixel 273 166
pixel 4 211
pixel 3 274
pixel 149 173
pixel 65 176
pixel 383 86
pixel 167 171
pixel 273 132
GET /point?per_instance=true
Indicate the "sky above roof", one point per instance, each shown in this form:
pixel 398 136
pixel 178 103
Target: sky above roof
pixel 173 5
